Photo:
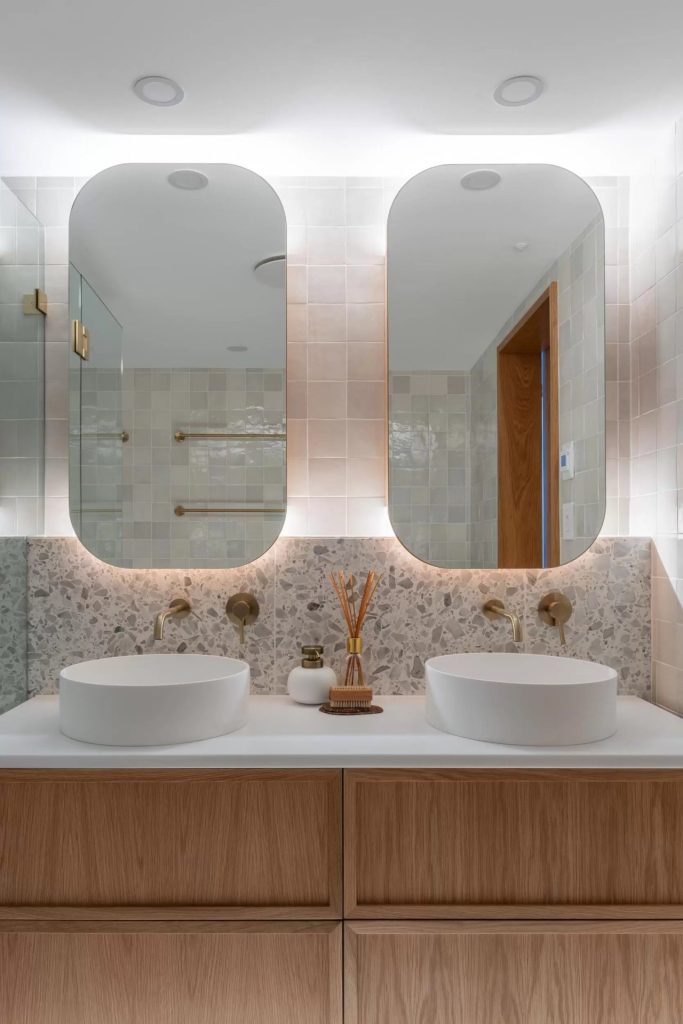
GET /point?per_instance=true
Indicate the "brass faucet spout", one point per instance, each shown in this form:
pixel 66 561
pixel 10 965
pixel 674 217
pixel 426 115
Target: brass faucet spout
pixel 180 608
pixel 495 609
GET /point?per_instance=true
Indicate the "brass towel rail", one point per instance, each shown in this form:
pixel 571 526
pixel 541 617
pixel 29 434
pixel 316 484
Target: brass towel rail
pixel 184 435
pixel 121 435
pixel 100 511
pixel 182 510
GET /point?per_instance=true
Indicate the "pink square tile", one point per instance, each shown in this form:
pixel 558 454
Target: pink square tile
pixel 326 207
pixel 327 439
pixel 365 284
pixel 327 478
pixel 367 360
pixel 366 478
pixel 297 287
pixel 326 246
pixel 365 245
pixel 366 322
pixel 327 323
pixel 297 399
pixel 297 361
pixel 327 400
pixel 296 244
pixel 327 361
pixel 366 400
pixel 326 284
pixel 297 477
pixel 297 438
pixel 297 323
pixel 367 439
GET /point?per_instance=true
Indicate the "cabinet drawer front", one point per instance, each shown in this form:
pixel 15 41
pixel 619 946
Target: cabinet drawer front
pixel 238 843
pixel 534 973
pixel 146 974
pixel 496 843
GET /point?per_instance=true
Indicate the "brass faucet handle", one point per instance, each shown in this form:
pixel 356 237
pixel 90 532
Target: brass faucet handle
pixel 555 609
pixel 242 609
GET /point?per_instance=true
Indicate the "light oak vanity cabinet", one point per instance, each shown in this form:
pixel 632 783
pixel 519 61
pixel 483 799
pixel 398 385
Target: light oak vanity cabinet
pixel 470 896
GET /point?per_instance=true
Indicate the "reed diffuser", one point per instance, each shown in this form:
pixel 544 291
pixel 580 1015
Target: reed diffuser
pixel 354 697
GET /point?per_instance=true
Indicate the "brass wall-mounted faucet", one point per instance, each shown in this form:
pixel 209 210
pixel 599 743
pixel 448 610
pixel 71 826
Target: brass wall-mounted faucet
pixel 178 608
pixel 555 609
pixel 495 609
pixel 242 609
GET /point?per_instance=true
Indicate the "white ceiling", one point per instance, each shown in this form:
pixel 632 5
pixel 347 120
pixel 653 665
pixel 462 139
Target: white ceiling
pixel 176 267
pixel 319 87
pixel 453 275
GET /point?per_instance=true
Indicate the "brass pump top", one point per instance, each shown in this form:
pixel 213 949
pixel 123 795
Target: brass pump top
pixel 312 656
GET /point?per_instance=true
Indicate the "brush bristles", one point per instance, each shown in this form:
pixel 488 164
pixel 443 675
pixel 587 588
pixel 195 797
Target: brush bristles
pixel 350 696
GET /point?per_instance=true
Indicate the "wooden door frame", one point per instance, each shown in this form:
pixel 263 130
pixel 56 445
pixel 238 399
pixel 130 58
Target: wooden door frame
pixel 530 343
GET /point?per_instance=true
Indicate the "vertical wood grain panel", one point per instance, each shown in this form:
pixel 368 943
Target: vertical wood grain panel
pixel 177 974
pixel 259 843
pixel 496 843
pixel 438 973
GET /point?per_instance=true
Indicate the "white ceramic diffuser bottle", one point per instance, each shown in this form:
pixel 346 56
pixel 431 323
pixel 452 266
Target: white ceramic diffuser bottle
pixel 310 682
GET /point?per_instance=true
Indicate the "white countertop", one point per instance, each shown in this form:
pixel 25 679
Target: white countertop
pixel 281 734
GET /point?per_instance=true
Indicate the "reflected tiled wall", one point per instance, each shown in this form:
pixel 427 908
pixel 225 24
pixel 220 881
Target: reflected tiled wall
pixel 21 370
pixel 581 323
pixel 657 402
pixel 336 360
pixel 430 464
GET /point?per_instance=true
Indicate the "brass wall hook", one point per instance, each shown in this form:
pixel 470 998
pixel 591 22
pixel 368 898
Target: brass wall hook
pixel 555 609
pixel 242 609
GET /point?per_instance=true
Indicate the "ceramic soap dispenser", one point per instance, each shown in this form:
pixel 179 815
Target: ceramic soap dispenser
pixel 310 682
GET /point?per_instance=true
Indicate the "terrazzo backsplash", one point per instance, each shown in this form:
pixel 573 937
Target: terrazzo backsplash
pixel 13 612
pixel 80 608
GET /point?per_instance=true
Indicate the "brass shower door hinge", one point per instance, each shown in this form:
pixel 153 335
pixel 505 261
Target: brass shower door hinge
pixel 35 303
pixel 80 336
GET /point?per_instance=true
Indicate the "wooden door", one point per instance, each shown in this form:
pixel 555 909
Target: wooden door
pixel 516 973
pixel 174 973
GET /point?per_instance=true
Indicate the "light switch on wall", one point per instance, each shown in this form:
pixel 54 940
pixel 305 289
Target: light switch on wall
pixel 568 520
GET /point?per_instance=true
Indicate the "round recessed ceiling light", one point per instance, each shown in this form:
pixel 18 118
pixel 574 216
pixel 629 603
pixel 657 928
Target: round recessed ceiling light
pixel 521 246
pixel 479 181
pixel 237 348
pixel 159 91
pixel 187 179
pixel 518 91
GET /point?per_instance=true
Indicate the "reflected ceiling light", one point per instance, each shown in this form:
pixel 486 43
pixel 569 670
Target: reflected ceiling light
pixel 479 181
pixel 518 91
pixel 159 91
pixel 521 246
pixel 237 348
pixel 188 179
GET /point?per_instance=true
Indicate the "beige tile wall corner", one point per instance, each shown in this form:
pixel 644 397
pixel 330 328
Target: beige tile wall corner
pixel 657 398
pixel 336 354
pixel 336 349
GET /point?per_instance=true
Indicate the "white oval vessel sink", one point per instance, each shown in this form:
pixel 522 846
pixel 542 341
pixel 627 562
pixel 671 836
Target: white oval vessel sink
pixel 524 699
pixel 153 699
